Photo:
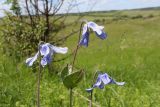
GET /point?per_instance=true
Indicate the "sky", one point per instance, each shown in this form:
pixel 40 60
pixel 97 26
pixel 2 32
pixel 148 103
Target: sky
pixel 95 5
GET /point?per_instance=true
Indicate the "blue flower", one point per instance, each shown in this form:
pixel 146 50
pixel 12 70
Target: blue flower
pixel 46 50
pixel 96 28
pixel 102 80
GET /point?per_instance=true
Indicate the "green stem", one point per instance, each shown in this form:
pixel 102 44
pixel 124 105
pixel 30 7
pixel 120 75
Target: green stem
pixel 71 96
pixel 38 85
pixel 76 50
pixel 90 103
pixel 91 95
pixel 39 78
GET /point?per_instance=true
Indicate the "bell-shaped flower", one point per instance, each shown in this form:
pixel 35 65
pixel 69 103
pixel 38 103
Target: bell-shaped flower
pixel 96 28
pixel 46 50
pixel 102 80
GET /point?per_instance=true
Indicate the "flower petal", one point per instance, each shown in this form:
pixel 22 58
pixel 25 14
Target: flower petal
pixel 120 83
pixel 105 78
pixel 85 39
pixel 98 82
pixel 92 25
pixel 30 61
pixel 43 62
pixel 117 83
pixel 85 29
pixel 46 60
pixel 62 50
pixel 101 86
pixel 85 36
pixel 103 35
pixel 44 49
pixel 98 29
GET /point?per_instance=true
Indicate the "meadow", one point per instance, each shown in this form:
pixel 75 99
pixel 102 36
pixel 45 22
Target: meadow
pixel 131 53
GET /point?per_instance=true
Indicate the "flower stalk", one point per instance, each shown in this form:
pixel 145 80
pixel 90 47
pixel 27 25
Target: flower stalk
pixel 38 84
pixel 71 97
pixel 91 93
pixel 39 78
pixel 90 102
pixel 74 58
pixel 76 50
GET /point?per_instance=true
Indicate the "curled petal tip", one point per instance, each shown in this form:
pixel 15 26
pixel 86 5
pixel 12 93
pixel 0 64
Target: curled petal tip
pixel 65 50
pixel 30 61
pixel 120 83
pixel 89 90
pixel 103 35
pixel 62 50
pixel 101 27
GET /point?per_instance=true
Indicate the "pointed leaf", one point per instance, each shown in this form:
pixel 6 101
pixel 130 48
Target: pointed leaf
pixel 73 79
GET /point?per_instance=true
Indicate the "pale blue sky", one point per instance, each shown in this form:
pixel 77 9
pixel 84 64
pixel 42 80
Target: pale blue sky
pixel 97 5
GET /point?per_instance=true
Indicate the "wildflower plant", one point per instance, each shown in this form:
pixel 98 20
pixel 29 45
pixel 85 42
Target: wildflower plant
pixel 70 76
pixel 46 51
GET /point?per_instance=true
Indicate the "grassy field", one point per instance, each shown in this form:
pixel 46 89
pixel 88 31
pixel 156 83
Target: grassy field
pixel 131 53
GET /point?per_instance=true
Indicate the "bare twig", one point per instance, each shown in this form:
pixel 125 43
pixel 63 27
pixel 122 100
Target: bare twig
pixel 29 13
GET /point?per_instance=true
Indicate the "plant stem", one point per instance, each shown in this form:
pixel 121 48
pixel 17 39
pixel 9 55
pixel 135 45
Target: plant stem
pixel 38 86
pixel 90 103
pixel 71 101
pixel 76 50
pixel 74 58
pixel 38 80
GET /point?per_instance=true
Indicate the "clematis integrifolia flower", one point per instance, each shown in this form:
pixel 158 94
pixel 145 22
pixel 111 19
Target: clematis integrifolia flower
pixel 85 33
pixel 102 80
pixel 46 50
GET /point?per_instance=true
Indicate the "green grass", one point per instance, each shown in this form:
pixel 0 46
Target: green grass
pixel 130 53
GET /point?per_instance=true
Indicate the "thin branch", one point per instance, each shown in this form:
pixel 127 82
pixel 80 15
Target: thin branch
pixel 51 5
pixel 28 11
pixel 58 7
pixel 35 5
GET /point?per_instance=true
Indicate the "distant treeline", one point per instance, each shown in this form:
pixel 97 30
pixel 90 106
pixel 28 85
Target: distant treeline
pixel 93 13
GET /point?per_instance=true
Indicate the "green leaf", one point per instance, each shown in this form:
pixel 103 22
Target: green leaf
pixel 64 72
pixel 72 80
